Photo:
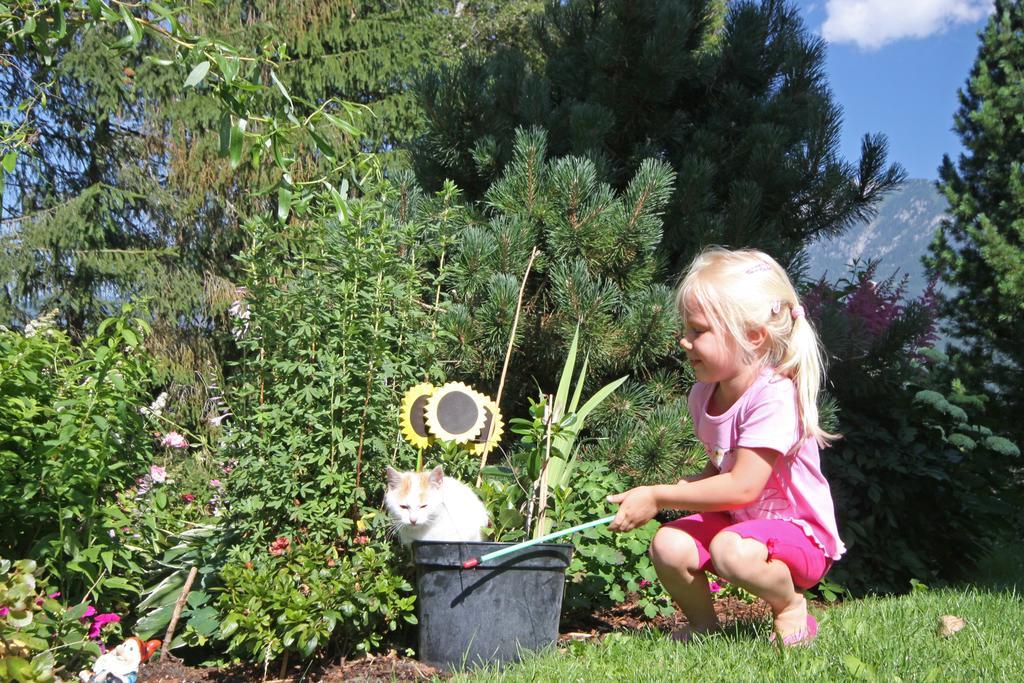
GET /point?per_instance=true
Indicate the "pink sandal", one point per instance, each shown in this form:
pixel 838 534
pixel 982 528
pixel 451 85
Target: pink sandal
pixel 801 637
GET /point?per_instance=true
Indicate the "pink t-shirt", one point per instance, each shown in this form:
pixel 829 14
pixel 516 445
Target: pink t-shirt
pixel 766 416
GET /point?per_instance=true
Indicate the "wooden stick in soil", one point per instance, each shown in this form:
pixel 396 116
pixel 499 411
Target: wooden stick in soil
pixel 284 665
pixel 508 355
pixel 542 496
pixel 177 612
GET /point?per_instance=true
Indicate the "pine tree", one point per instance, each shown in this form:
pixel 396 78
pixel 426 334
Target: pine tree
pixel 979 249
pixel 595 269
pixel 127 194
pixel 732 95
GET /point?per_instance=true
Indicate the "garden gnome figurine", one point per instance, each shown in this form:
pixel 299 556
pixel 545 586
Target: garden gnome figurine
pixel 120 665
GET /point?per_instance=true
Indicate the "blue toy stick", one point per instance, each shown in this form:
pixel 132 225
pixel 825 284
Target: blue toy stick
pixel 474 561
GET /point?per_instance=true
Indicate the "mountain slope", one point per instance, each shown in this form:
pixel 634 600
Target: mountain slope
pixel 899 235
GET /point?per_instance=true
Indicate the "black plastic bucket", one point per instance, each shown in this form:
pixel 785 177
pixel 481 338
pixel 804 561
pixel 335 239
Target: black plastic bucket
pixel 493 612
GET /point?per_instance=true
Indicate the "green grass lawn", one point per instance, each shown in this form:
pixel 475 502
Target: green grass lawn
pixel 883 639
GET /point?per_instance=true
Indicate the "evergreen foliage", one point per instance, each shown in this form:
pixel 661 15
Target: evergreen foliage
pixel 72 439
pixel 919 481
pixel 979 250
pixel 732 95
pixel 125 191
pixel 596 268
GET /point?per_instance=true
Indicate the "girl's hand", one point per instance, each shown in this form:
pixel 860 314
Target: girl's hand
pixel 636 507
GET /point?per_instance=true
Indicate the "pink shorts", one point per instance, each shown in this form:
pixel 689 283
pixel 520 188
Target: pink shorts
pixel 785 541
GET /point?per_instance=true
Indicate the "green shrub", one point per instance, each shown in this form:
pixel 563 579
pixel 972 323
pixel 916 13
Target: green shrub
pixel 921 484
pixel 71 440
pixel 39 636
pixel 332 331
pixel 300 598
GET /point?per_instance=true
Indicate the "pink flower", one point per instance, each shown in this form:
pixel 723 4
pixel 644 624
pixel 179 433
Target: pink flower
pixel 157 474
pixel 280 545
pixel 876 305
pixel 644 583
pixel 215 483
pixel 362 539
pixel 89 612
pixel 39 601
pixel 174 440
pixel 4 611
pixel 99 621
pixel 187 497
pixel 715 586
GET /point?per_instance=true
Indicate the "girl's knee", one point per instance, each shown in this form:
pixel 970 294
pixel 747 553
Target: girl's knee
pixel 734 555
pixel 674 548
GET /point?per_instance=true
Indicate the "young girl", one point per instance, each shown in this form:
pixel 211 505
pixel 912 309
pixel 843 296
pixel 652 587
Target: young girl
pixel 765 519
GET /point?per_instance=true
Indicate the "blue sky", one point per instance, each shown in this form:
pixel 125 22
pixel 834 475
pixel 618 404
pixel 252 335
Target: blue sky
pixel 895 67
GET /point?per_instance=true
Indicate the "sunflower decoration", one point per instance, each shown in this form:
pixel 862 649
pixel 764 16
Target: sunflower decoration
pixel 413 418
pixel 490 433
pixel 456 412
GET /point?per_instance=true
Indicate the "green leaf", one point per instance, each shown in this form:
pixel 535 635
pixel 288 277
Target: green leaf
pixel 307 647
pixel 134 36
pixel 18 669
pixel 562 394
pixel 284 200
pixel 77 612
pixel 322 144
pixel 340 204
pixel 280 86
pixel 154 622
pixel 198 74
pixel 596 399
pixel 159 61
pixel 342 125
pixel 130 338
pixel 859 669
pixel 228 67
pixel 167 14
pixel 204 621
pixel 10 159
pixel 118 583
pixel 235 143
pixel 575 402
pixel 108 560
pixel 228 626
pixel 225 134
pixel 19 618
pixel 1002 446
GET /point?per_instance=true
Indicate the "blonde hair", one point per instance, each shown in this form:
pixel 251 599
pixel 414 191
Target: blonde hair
pixel 746 290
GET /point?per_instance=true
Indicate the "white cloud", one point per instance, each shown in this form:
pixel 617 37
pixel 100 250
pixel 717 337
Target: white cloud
pixel 874 23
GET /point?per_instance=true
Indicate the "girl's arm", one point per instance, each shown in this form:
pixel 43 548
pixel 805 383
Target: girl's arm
pixel 733 489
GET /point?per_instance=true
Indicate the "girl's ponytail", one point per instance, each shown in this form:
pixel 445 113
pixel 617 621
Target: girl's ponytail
pixel 803 361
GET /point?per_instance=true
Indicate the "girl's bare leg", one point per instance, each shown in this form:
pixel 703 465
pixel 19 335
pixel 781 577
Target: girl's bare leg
pixel 674 554
pixel 744 561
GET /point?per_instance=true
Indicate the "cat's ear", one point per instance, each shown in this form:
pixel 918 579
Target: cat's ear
pixel 436 477
pixel 394 477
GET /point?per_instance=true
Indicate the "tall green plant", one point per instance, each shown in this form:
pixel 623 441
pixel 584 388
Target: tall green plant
pixel 71 440
pixel 557 422
pixel 335 330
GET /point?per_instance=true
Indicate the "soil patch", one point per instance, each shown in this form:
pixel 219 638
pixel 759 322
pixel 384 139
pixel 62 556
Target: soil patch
pixel 392 666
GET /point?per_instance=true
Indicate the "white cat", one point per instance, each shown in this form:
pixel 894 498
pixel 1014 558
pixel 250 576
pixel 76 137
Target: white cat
pixel 428 506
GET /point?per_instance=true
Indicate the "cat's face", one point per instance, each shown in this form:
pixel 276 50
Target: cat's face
pixel 413 498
